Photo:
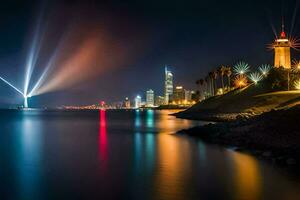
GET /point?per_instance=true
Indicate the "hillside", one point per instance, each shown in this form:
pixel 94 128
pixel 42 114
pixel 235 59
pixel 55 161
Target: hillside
pixel 254 99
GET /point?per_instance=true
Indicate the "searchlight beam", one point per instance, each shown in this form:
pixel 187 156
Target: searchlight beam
pixel 19 91
pixel 11 85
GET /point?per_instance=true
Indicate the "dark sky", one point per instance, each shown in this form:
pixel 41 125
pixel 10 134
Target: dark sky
pixel 191 36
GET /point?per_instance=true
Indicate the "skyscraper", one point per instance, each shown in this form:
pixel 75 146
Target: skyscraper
pixel 178 95
pixel 168 85
pixel 138 101
pixel 159 100
pixel 282 48
pixel 150 98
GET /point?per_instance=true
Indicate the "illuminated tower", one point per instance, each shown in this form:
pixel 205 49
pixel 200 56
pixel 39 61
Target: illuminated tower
pixel 168 85
pixel 150 98
pixel 282 48
pixel 138 101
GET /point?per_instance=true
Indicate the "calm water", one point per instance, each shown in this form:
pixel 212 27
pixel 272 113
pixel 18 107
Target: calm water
pixel 124 155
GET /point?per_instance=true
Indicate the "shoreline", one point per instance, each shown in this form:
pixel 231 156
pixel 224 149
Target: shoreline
pixel 272 136
pixel 212 117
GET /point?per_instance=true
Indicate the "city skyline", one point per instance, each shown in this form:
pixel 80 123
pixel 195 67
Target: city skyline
pixel 169 37
pixel 160 99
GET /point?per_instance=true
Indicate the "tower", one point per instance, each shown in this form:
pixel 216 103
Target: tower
pixel 282 48
pixel 150 98
pixel 138 101
pixel 168 85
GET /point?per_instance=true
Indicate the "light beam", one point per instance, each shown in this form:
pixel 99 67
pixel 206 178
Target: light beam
pixel 32 57
pixel 11 85
pixel 19 91
pixel 35 89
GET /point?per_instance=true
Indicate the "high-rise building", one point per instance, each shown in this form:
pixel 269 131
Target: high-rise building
pixel 188 95
pixel 178 95
pixel 282 48
pixel 127 103
pixel 138 101
pixel 168 85
pixel 150 98
pixel 159 100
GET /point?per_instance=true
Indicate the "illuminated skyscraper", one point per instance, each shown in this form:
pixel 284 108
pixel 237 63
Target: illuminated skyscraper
pixel 168 85
pixel 159 100
pixel 178 94
pixel 282 48
pixel 138 101
pixel 150 98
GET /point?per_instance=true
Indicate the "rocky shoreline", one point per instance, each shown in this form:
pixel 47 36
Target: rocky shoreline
pixel 273 136
pixel 213 116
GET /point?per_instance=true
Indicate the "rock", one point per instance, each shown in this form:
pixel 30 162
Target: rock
pixel 291 161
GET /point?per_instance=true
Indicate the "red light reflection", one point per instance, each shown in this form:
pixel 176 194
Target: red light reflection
pixel 103 137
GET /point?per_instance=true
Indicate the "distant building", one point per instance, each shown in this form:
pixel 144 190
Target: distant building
pixel 159 100
pixel 138 101
pixel 282 48
pixel 168 85
pixel 188 95
pixel 150 98
pixel 127 103
pixel 178 95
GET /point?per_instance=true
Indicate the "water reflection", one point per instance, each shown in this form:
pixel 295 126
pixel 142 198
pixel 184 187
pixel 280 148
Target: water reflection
pixel 137 150
pixel 150 119
pixel 137 119
pixel 129 155
pixel 202 153
pixel 247 176
pixel 29 161
pixel 103 152
pixel 165 122
pixel 144 142
pixel 172 163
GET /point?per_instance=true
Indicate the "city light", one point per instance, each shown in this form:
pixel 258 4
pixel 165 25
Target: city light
pixel 295 43
pixel 241 68
pixel 297 84
pixel 240 81
pixel 255 77
pixel 265 69
pixel 296 66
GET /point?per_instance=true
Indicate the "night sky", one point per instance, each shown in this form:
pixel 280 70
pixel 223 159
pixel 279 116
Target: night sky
pixel 134 40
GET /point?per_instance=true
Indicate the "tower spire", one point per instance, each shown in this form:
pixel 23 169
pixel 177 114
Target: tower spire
pixel 282 34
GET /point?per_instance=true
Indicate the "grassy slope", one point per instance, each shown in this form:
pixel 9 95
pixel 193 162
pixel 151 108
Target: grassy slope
pixel 254 98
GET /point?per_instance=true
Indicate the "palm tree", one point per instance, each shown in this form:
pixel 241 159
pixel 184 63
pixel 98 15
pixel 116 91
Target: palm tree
pixel 211 77
pixel 201 82
pixel 198 83
pixel 215 76
pixel 228 73
pixel 222 71
pixel 288 78
pixel 198 86
pixel 207 84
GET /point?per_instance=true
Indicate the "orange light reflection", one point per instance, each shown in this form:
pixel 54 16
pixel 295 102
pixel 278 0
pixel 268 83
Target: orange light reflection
pixel 247 177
